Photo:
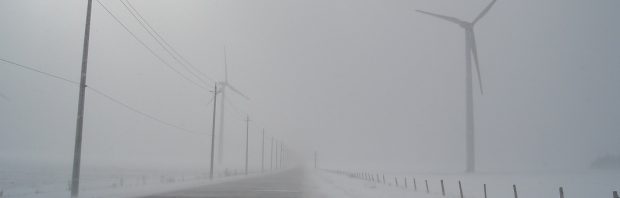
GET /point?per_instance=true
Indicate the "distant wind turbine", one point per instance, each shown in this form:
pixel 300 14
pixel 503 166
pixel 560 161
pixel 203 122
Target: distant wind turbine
pixel 224 85
pixel 470 50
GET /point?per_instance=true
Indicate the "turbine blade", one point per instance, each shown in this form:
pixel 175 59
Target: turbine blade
pixel 237 91
pixel 484 12
pixel 474 52
pixel 447 18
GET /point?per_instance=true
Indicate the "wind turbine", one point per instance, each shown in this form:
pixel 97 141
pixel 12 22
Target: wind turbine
pixel 471 50
pixel 224 85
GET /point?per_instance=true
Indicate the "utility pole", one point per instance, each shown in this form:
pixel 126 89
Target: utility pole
pixel 262 156
pixel 277 154
pixel 247 137
pixel 77 153
pixel 271 155
pixel 282 156
pixel 213 132
pixel 315 160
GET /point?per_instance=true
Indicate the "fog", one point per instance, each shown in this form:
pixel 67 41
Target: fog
pixel 367 84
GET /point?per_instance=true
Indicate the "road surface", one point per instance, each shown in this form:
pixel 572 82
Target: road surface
pixel 285 184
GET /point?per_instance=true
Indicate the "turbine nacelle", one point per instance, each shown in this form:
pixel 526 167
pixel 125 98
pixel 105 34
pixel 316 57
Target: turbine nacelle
pixel 470 38
pixel 467 26
pixel 226 85
pixel 463 23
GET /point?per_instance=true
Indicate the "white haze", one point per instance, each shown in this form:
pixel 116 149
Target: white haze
pixel 368 84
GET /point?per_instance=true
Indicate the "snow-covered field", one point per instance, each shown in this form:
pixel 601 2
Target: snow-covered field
pixel 530 185
pixel 44 182
pixel 48 182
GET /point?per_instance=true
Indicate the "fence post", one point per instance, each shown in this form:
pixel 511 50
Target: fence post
pixel 616 194
pixel 561 192
pixel 396 181
pixel 443 190
pixel 426 181
pixel 514 188
pixel 415 186
pixel 460 189
pixel 383 178
pixel 405 178
pixel 485 190
pixel 378 180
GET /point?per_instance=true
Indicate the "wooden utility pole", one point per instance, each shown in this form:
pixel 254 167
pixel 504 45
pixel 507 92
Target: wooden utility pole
pixel 271 155
pixel 315 160
pixel 77 153
pixel 247 137
pixel 262 156
pixel 213 132
pixel 276 154
pixel 281 155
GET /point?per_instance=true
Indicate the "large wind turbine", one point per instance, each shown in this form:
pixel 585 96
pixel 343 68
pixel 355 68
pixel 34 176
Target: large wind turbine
pixel 471 50
pixel 224 85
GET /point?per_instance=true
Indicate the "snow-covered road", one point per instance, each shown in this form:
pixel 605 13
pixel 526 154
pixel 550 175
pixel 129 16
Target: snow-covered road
pixel 296 183
pixel 285 184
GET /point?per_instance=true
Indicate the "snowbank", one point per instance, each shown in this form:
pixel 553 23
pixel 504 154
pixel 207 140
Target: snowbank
pixel 543 185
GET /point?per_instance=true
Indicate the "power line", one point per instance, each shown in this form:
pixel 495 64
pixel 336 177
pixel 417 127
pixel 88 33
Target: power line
pixel 138 111
pixel 39 71
pixel 235 109
pixel 138 18
pixel 148 48
pixel 241 113
pixel 144 23
pixel 100 93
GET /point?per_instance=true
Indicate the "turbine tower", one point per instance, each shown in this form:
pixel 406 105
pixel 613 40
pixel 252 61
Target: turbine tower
pixel 225 85
pixel 471 50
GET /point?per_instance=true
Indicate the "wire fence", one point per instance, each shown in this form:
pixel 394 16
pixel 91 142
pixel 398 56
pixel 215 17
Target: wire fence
pixel 449 188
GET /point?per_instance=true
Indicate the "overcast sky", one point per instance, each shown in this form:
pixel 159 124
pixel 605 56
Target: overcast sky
pixel 368 84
